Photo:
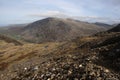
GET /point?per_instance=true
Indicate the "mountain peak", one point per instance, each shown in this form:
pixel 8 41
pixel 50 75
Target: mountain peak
pixel 56 18
pixel 51 18
pixel 57 29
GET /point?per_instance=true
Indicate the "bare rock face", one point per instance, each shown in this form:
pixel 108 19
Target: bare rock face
pixel 56 29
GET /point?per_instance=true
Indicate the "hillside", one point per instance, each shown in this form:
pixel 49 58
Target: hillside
pixel 9 40
pixel 115 29
pixel 87 58
pixel 58 29
pixel 13 31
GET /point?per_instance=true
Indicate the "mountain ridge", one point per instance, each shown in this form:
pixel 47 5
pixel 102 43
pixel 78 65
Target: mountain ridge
pixel 57 29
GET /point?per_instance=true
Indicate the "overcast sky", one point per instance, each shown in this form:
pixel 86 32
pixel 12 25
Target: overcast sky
pixel 25 11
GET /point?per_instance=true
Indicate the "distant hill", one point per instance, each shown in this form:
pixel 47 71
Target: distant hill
pixel 57 29
pixel 9 40
pixel 115 24
pixel 107 26
pixel 115 29
pixel 12 31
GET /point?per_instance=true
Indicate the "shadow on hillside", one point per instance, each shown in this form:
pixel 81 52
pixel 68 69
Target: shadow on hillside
pixel 110 55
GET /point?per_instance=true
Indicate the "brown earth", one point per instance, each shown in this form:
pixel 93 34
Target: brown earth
pixel 95 57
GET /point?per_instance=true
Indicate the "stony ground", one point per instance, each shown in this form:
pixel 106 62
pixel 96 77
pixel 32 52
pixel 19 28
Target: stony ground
pixel 71 67
pixel 88 58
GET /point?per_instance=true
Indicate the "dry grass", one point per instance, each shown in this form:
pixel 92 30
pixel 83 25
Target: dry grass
pixel 10 53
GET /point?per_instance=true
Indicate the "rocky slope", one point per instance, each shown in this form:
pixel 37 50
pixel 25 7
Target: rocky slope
pixel 57 29
pixel 95 57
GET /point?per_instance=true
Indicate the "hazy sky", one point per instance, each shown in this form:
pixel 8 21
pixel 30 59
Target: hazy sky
pixel 25 11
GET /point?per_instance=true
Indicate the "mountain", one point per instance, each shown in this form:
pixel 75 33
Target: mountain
pixel 115 24
pixel 115 29
pixel 107 26
pixel 58 29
